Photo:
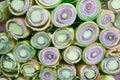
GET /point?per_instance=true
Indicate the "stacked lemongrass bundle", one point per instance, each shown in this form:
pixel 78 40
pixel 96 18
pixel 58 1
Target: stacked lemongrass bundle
pixel 59 39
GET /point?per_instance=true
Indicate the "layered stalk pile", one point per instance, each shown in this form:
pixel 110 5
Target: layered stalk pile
pixel 59 39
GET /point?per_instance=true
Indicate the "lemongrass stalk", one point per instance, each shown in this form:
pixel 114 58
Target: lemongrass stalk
pixel 93 53
pixel 48 4
pixel 117 21
pixel 106 19
pixel 49 56
pixel 109 37
pixel 86 33
pixel 88 72
pixel 31 68
pixel 17 29
pixel 23 51
pixel 114 5
pixel 6 43
pixel 66 72
pixel 110 65
pixel 48 74
pixel 107 77
pixel 64 15
pixel 72 54
pixel 4 13
pixel 88 9
pixel 63 37
pixel 38 18
pixel 10 67
pixel 40 40
pixel 19 7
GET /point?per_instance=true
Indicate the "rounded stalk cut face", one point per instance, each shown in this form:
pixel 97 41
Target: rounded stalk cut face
pixel 90 74
pixel 109 37
pixel 110 65
pixel 40 40
pixel 62 38
pixel 8 64
pixel 64 15
pixel 15 29
pixel 114 5
pixel 87 33
pixel 72 54
pixel 49 56
pixel 19 7
pixel 88 9
pixel 93 54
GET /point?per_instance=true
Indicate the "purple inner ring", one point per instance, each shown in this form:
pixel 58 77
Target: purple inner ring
pixel 64 9
pixel 82 30
pixel 46 60
pixel 93 49
pixel 103 18
pixel 85 4
pixel 47 75
pixel 105 35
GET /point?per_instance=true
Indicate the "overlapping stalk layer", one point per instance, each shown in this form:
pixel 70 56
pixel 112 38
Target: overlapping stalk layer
pixel 59 39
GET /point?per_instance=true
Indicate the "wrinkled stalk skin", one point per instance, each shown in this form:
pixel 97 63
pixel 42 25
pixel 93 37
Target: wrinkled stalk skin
pixel 66 72
pixel 64 15
pixel 21 78
pixel 86 72
pixel 21 9
pixel 49 56
pixel 86 33
pixel 72 54
pixel 106 19
pixel 38 18
pixel 17 29
pixel 40 40
pixel 4 12
pixel 93 53
pixel 63 37
pixel 6 43
pixel 30 68
pixel 23 51
pixel 10 67
pixel 48 4
pixel 107 66
pixel 88 9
